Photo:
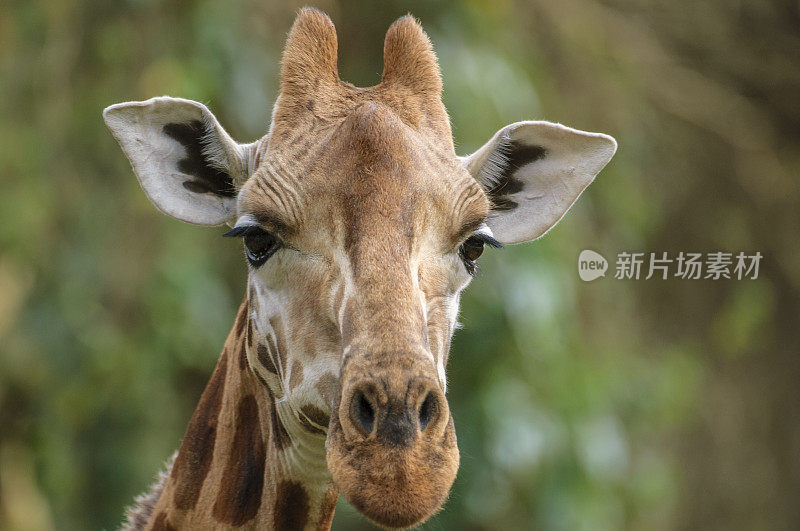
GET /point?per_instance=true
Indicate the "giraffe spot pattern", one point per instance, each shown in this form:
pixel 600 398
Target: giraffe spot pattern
pixel 241 319
pixel 242 358
pixel 291 506
pixel 310 427
pixel 280 437
pixel 197 450
pixel 261 380
pixel 162 524
pixel 265 359
pixel 242 483
pixel 315 414
pixel 241 335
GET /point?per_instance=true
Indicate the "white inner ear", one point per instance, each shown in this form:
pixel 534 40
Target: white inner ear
pixel 156 156
pixel 532 194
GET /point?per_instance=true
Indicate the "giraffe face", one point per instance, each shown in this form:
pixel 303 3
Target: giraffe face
pixel 375 231
pixel 361 227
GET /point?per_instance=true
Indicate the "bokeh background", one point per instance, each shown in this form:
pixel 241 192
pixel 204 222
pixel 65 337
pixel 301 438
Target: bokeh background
pixel 658 404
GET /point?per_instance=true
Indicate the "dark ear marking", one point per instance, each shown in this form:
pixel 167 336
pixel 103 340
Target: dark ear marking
pixel 514 155
pixel 208 178
pixel 520 155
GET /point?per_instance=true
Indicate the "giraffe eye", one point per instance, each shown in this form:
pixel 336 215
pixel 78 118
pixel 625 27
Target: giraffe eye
pixel 259 244
pixel 472 249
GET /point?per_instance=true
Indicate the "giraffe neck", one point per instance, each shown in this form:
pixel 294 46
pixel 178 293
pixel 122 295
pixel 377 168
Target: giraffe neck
pixel 237 465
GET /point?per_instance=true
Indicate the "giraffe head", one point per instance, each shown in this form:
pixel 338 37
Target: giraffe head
pixel 361 227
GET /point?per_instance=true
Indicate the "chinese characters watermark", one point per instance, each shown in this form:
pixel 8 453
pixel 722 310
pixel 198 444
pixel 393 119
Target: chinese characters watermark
pixel 686 266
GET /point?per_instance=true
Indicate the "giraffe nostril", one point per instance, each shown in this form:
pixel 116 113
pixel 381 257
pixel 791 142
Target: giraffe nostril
pixel 427 411
pixel 362 412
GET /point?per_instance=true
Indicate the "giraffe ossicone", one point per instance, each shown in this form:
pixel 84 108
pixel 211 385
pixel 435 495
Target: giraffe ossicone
pixel 361 226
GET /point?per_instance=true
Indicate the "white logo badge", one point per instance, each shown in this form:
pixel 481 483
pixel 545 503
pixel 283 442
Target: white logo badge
pixel 591 265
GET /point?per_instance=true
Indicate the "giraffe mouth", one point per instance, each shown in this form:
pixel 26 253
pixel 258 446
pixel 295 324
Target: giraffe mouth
pixel 395 487
pixel 393 454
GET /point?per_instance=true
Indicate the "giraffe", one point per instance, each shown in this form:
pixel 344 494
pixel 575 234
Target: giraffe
pixel 360 227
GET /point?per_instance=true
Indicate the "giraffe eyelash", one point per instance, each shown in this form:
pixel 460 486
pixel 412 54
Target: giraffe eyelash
pixel 485 234
pixel 487 239
pixel 240 231
pixel 245 225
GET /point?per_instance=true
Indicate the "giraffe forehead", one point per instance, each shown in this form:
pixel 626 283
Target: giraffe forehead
pixel 345 204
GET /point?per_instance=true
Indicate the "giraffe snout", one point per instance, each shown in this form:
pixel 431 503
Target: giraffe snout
pixel 395 414
pixel 391 445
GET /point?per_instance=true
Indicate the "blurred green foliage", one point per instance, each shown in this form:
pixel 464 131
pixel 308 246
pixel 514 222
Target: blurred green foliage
pixel 616 404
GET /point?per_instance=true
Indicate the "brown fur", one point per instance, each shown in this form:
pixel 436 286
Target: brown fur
pixel 196 452
pixel 265 357
pixel 327 509
pixel 243 480
pixel 328 387
pixel 278 434
pixel 291 506
pixel 162 523
pixel 315 414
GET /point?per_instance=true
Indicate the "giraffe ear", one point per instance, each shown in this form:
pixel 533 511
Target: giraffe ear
pixel 533 172
pixel 186 163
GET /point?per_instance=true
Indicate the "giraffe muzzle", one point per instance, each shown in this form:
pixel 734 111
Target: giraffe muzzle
pixel 391 445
